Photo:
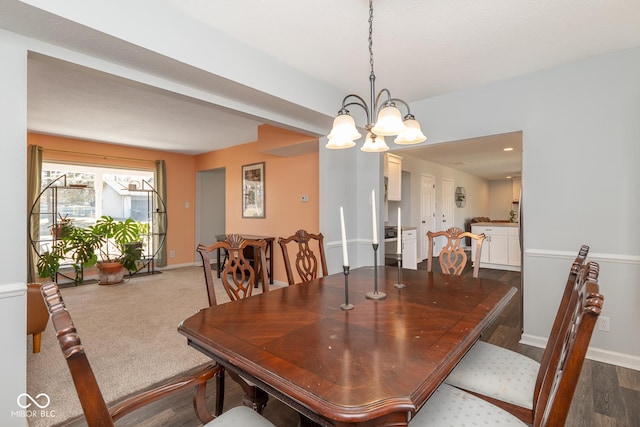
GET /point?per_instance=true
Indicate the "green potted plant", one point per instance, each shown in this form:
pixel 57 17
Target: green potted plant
pixel 61 227
pixel 114 247
pixel 119 247
pixel 48 263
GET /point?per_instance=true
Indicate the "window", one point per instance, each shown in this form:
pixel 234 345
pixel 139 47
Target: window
pixel 85 193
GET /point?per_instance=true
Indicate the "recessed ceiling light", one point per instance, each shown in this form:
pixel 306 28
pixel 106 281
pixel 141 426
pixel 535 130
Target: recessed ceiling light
pixel 508 177
pixel 508 149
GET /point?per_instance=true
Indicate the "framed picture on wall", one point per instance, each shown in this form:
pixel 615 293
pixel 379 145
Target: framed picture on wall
pixel 253 191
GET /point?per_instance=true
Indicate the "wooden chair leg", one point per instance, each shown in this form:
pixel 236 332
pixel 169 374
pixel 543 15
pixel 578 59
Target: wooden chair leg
pixel 254 397
pixel 37 340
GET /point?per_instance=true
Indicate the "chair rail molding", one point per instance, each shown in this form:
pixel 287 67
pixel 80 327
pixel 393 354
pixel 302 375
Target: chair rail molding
pixel 12 290
pixel 593 256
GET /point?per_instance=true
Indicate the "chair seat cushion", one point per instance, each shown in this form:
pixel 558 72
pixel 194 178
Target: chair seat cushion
pixel 240 416
pixel 497 372
pixel 449 406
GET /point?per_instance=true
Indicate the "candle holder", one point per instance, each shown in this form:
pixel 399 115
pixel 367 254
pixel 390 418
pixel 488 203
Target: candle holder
pixel 346 305
pixel 399 285
pixel 375 294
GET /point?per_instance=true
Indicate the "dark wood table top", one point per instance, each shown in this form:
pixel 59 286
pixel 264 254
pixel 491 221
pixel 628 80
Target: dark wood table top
pixel 372 365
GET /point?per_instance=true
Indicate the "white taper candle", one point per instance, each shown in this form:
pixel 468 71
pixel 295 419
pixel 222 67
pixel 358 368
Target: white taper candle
pixel 345 256
pixel 373 217
pixel 399 250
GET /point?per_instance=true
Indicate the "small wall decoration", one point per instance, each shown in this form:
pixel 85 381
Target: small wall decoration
pixel 253 196
pixel 461 197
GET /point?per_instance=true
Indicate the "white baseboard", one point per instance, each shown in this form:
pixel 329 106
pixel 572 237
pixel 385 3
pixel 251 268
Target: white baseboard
pixel 599 355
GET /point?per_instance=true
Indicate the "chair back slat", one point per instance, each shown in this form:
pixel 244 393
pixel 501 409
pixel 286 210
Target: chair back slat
pixel 453 258
pixel 93 404
pixel 306 262
pixel 567 355
pixel 570 288
pixel 238 275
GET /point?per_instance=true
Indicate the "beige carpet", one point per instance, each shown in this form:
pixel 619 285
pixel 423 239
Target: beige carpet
pixel 129 334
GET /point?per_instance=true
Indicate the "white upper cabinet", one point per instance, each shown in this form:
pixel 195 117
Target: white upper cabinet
pixel 393 168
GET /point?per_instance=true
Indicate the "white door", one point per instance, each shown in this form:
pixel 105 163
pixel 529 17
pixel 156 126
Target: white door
pixel 427 212
pixel 447 209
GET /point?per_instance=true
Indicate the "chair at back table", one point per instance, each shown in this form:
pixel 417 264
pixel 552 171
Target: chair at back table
pixel 306 261
pixel 93 405
pixel 453 258
pixel 512 380
pixel 238 279
pixel 238 275
pixel 452 406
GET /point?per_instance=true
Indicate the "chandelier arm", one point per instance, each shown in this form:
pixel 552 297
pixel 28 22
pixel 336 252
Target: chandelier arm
pixel 398 100
pixel 377 105
pixel 361 103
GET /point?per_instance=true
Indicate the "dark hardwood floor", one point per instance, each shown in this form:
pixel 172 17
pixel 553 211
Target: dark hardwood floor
pixel 606 395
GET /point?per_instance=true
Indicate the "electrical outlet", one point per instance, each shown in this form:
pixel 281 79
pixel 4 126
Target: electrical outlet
pixel 604 323
pixel 172 254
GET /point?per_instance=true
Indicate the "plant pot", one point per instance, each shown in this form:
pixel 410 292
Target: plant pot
pixel 110 273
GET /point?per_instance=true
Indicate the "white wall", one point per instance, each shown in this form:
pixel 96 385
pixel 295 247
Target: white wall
pixel 13 124
pixel 581 129
pixel 501 199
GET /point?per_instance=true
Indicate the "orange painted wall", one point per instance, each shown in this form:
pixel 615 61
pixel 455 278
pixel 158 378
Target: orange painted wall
pixel 180 180
pixel 286 180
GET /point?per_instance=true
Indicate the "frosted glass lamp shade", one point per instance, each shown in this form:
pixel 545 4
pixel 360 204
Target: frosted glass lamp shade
pixel 374 145
pixel 412 133
pixel 344 127
pixel 339 143
pixel 389 122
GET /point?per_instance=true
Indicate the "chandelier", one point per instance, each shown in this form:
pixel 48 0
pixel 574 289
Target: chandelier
pixel 382 106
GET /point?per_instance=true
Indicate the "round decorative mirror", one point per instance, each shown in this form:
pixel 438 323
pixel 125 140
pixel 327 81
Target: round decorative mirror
pixel 461 197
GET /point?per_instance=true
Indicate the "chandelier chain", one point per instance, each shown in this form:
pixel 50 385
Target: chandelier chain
pixel 371 34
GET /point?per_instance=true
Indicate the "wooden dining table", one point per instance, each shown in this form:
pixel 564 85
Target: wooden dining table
pixel 373 365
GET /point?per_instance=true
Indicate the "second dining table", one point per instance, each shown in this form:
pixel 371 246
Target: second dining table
pixel 373 365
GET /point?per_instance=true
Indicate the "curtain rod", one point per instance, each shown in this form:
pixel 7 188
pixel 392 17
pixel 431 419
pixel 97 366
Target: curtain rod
pixel 102 156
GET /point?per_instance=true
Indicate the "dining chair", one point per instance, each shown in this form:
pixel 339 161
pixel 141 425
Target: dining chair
pixel 92 401
pixel 239 275
pixel 238 278
pixel 453 258
pixel 452 406
pixel 306 261
pixel 509 379
pixel 37 315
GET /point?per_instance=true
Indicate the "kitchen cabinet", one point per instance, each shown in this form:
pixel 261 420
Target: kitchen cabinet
pixel 393 168
pixel 409 249
pixel 501 247
pixel 516 186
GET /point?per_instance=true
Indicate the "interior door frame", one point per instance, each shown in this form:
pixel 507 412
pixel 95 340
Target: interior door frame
pixel 424 227
pixel 447 210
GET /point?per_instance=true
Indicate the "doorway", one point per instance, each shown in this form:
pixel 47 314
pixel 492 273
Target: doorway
pixel 210 205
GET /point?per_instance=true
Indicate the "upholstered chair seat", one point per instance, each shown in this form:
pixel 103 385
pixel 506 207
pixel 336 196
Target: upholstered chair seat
pixel 450 406
pixel 240 416
pixel 498 373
